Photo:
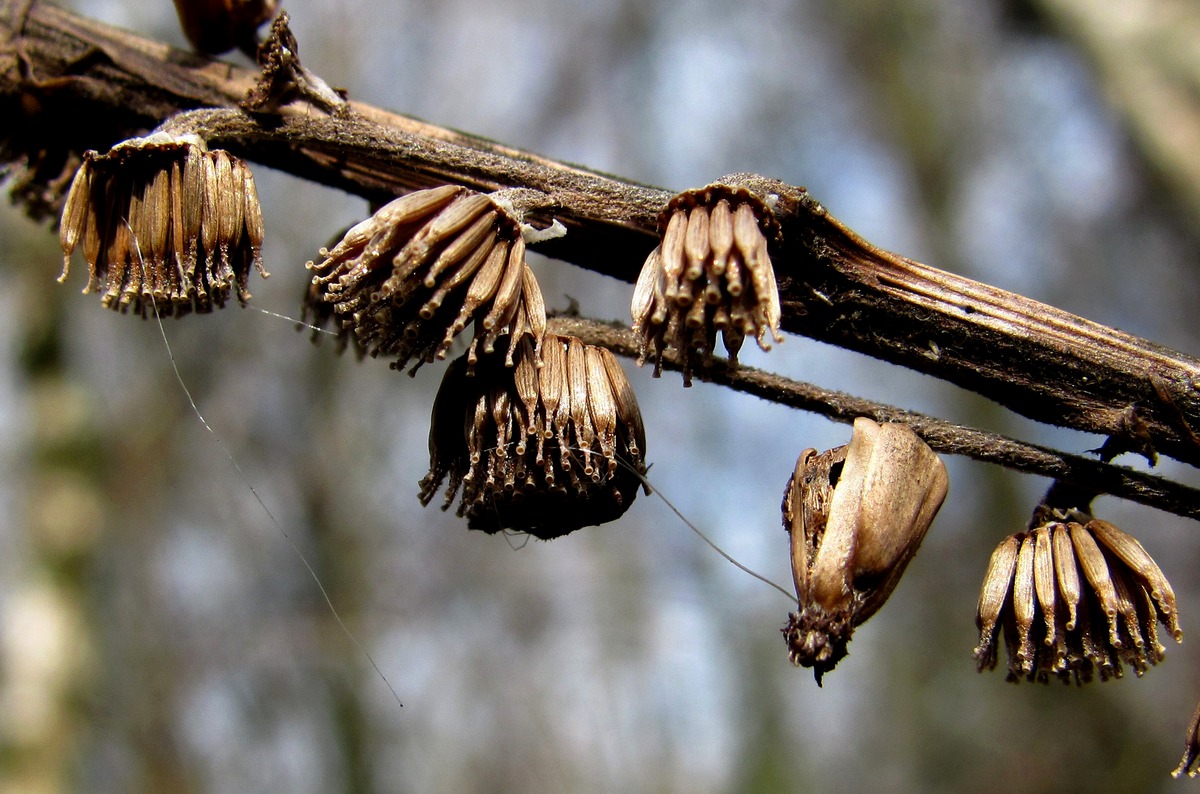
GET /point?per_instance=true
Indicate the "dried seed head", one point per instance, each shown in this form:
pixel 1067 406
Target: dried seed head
pixel 411 277
pixel 164 223
pixel 544 451
pixel 1074 595
pixel 711 273
pixel 1190 763
pixel 217 26
pixel 856 515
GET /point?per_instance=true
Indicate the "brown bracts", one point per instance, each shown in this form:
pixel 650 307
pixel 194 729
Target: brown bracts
pixel 540 450
pixel 164 223
pixel 856 516
pixel 406 281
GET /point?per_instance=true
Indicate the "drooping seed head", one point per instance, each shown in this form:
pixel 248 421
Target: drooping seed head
pixel 711 273
pixel 409 279
pixel 1099 598
pixel 544 451
pixel 165 224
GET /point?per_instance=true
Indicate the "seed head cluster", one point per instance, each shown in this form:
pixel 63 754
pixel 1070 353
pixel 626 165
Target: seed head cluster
pixel 544 450
pixel 406 281
pixel 163 223
pixel 711 273
pixel 1074 595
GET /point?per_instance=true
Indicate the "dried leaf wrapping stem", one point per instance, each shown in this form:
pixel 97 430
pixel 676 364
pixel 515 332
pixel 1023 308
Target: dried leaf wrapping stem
pixel 834 286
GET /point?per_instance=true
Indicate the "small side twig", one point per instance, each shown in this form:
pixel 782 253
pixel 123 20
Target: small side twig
pixel 942 436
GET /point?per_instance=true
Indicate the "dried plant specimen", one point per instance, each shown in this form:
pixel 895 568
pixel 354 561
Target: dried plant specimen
pixel 541 450
pixel 1074 595
pixel 711 273
pixel 856 515
pixel 1190 763
pixel 217 26
pixel 406 281
pixel 164 222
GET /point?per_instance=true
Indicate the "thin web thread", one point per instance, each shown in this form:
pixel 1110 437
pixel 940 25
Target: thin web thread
pixel 645 481
pixel 246 481
pixel 690 525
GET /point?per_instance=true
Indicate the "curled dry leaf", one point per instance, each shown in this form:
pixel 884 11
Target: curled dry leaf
pixel 856 516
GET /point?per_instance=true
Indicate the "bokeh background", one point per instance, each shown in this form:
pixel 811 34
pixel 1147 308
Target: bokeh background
pixel 158 631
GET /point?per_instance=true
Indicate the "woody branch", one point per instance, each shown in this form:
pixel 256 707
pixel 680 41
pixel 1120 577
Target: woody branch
pixel 1039 361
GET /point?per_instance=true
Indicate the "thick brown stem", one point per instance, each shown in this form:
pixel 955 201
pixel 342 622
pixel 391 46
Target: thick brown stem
pixel 1037 360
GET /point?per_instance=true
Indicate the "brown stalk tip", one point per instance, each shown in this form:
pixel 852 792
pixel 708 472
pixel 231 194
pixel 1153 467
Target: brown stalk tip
pixel 711 273
pixel 1088 600
pixel 165 225
pixel 540 450
pixel 408 280
pixel 855 515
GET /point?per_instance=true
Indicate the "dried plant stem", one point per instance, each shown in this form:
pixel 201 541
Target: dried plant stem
pixel 942 436
pixel 1039 361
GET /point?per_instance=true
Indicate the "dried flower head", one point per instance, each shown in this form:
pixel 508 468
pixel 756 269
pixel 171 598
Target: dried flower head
pixel 712 272
pixel 541 450
pixel 1190 763
pixel 856 515
pixel 163 223
pixel 1074 595
pixel 217 26
pixel 408 279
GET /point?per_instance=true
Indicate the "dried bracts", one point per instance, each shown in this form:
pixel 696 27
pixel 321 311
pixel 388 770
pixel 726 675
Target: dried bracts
pixel 856 515
pixel 406 281
pixel 1073 595
pixel 712 273
pixel 541 450
pixel 164 224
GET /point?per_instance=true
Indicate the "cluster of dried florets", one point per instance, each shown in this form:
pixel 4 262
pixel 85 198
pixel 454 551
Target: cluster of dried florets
pixel 856 515
pixel 163 223
pixel 541 450
pixel 406 281
pixel 1074 595
pixel 712 272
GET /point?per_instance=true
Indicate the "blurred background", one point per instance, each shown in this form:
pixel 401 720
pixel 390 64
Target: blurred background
pixel 159 633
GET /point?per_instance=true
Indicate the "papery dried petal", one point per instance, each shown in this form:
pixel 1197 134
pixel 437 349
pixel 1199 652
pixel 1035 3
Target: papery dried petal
pixel 1190 763
pixel 997 583
pixel 1133 554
